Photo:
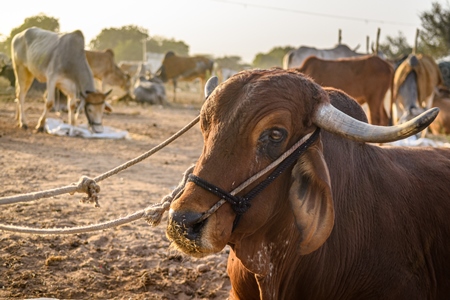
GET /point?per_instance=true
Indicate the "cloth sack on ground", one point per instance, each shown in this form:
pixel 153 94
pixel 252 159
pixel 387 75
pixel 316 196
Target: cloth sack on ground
pixel 58 127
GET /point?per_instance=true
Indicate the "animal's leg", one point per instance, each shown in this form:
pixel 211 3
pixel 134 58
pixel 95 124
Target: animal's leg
pixel 174 90
pixel 24 79
pixel 49 102
pixel 72 107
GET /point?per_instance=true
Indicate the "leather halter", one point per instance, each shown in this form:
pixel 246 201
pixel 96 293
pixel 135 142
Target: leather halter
pixel 240 204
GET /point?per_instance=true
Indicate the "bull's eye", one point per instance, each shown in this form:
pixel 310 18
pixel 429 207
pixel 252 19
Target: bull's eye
pixel 276 135
pixel 271 141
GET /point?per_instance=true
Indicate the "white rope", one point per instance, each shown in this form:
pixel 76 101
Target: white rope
pixel 153 214
pixel 88 185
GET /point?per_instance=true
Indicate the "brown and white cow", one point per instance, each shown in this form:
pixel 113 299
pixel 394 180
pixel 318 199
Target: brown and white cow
pixel 415 82
pixel 344 219
pixel 104 68
pixel 176 68
pixel 59 60
pixel 365 78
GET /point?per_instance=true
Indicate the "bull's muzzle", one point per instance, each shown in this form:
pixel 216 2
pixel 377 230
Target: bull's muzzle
pixel 186 233
pixel 97 128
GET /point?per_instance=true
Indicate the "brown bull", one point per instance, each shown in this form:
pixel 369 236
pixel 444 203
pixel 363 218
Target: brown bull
pixel 105 69
pixel 176 68
pixel 365 78
pixel 345 220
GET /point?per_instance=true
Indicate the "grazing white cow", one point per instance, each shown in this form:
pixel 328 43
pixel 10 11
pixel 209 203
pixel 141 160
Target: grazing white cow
pixel 295 57
pixel 59 60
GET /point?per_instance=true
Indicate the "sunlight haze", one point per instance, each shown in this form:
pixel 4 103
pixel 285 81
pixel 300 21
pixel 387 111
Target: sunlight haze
pixel 239 28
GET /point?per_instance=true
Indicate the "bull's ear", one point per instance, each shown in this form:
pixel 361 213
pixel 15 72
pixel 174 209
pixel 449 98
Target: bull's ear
pixel 311 199
pixel 108 107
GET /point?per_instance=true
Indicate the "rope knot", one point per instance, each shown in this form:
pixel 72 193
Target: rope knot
pixel 154 213
pixel 90 187
pixel 240 205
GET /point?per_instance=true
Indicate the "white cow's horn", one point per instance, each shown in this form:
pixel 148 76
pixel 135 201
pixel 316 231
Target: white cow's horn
pixel 210 85
pixel 333 120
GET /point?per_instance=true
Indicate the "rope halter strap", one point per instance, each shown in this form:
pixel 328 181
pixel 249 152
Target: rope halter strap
pixel 240 204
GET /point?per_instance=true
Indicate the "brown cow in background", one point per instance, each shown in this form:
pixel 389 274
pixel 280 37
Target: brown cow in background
pixel 105 69
pixel 176 68
pixel 366 78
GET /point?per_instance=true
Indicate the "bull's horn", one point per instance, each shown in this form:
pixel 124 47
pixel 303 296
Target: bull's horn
pixel 210 85
pixel 333 120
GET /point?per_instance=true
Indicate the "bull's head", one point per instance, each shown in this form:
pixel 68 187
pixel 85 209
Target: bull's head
pixel 94 105
pixel 247 122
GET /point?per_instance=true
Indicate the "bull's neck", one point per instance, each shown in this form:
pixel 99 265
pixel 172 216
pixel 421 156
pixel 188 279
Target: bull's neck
pixel 270 253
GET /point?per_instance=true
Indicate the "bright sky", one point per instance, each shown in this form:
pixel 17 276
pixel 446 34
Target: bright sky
pixel 236 27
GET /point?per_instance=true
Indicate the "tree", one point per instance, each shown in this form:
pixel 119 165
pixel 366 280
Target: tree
pixel 272 59
pixel 230 62
pixel 126 42
pixel 41 20
pixel 158 44
pixel 395 47
pixel 435 36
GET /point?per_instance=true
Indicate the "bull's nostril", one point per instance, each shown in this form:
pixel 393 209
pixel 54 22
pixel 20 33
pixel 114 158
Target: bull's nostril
pixel 187 222
pixel 197 227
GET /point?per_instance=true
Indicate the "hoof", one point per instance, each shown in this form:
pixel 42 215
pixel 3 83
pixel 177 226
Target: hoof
pixel 40 129
pixel 24 126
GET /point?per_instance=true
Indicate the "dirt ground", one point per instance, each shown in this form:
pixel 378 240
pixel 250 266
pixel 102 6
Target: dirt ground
pixel 132 261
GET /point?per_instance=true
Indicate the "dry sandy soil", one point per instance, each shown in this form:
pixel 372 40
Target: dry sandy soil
pixel 132 261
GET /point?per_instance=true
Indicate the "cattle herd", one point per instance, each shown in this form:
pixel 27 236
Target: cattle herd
pixel 293 175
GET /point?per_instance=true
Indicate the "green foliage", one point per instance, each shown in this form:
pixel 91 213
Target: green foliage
pixel 435 36
pixel 159 44
pixel 126 42
pixel 272 59
pixel 433 39
pixel 40 20
pixel 395 47
pixel 230 62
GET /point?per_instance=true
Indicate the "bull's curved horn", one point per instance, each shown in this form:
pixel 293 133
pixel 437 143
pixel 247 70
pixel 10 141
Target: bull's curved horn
pixel 333 120
pixel 210 85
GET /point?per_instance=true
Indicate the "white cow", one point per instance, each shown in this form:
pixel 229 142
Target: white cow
pixel 295 58
pixel 59 60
